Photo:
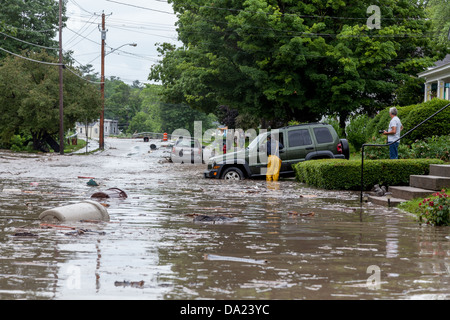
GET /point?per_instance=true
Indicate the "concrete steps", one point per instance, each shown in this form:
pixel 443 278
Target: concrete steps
pixel 419 187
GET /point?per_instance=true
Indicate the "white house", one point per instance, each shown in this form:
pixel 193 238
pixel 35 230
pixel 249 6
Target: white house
pixel 93 129
pixel 437 79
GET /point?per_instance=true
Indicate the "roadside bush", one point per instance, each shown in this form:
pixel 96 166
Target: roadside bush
pixel 412 116
pixel 17 143
pixel 431 148
pixel 435 210
pixel 338 174
pixel 357 131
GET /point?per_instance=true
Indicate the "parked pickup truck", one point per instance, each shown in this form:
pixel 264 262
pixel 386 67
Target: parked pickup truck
pixel 300 143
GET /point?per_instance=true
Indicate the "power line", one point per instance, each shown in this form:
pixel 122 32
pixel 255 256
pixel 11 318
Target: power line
pixel 29 43
pixel 139 7
pixel 80 7
pixel 29 59
pixel 295 14
pixel 48 63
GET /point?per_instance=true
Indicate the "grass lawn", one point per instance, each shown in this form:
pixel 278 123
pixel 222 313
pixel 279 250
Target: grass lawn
pixel 71 148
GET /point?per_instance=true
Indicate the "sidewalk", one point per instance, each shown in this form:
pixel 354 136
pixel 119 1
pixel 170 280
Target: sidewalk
pixel 92 145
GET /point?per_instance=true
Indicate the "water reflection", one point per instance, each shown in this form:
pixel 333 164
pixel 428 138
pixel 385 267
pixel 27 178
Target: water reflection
pixel 314 244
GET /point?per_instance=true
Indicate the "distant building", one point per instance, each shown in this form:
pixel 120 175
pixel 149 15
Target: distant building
pixel 93 129
pixel 437 80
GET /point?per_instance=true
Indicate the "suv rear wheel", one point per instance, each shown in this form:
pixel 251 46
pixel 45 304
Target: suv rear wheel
pixel 233 174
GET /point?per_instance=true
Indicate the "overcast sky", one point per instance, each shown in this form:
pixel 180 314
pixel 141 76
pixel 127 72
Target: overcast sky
pixel 144 22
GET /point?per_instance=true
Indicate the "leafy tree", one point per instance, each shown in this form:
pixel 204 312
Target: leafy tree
pixel 227 116
pixel 29 99
pixel 123 102
pixel 283 60
pixel 439 12
pixel 35 21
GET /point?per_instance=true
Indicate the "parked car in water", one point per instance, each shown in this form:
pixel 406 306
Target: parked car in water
pixel 187 150
pixel 301 143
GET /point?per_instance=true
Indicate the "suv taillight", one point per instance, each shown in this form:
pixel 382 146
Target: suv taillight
pixel 339 148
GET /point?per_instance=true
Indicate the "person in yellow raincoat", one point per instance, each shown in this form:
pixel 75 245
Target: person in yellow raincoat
pixel 274 161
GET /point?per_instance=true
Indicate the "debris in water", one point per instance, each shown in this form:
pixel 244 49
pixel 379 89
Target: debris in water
pixel 295 213
pixel 92 183
pixel 212 257
pixel 309 196
pixel 216 218
pixel 80 232
pixel 133 284
pixel 110 193
pixel 25 235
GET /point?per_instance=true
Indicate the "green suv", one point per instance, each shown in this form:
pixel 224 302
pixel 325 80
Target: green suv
pixel 300 143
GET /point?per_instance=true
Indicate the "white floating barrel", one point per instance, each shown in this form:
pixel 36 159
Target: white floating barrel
pixel 87 210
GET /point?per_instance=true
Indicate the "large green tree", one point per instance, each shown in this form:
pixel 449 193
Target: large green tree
pixel 34 21
pixel 286 60
pixel 439 12
pixel 29 99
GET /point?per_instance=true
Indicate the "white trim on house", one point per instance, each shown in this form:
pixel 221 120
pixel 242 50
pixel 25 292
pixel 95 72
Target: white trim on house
pixel 438 77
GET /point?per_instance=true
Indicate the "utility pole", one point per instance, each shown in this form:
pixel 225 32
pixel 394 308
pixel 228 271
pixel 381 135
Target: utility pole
pixel 102 87
pixel 61 87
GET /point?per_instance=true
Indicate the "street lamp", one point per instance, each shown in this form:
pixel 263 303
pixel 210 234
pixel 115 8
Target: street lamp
pixel 102 86
pixel 128 44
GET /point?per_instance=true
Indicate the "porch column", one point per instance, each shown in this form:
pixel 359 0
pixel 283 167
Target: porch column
pixel 440 89
pixel 427 92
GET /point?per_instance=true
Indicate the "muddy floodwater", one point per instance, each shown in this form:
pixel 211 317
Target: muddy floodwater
pixel 275 241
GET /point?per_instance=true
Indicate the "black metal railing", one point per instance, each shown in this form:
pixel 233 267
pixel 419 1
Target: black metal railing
pixel 391 143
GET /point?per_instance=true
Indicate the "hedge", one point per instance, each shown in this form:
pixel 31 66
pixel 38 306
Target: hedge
pixel 410 116
pixel 346 175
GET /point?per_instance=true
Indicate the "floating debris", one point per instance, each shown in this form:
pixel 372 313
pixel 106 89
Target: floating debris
pixel 80 232
pixel 295 213
pixel 132 284
pixel 212 257
pixel 25 235
pixel 92 183
pixel 110 193
pixel 215 218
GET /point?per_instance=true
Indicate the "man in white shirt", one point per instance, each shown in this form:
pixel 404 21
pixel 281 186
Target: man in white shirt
pixel 394 133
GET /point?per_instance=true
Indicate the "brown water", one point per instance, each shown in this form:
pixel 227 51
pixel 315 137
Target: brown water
pixel 285 241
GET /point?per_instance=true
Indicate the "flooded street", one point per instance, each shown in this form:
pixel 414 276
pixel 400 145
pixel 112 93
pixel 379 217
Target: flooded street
pixel 278 241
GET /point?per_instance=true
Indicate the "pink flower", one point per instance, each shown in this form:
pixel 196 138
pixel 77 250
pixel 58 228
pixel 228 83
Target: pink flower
pixel 431 204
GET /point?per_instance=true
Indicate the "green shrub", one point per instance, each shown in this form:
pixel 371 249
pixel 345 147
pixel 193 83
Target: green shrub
pixel 357 131
pixel 431 148
pixel 411 116
pixel 437 126
pixel 435 210
pixel 346 175
pixel 17 143
pixel 379 153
